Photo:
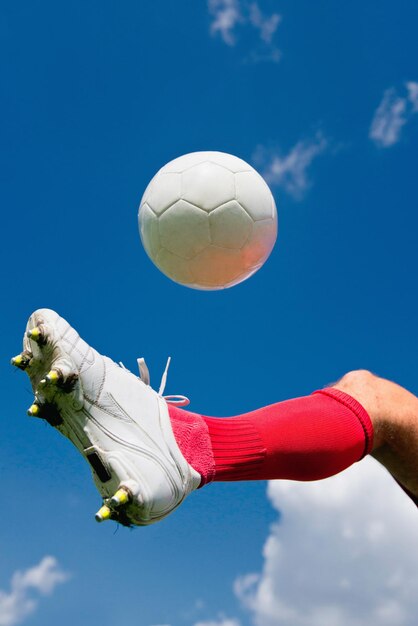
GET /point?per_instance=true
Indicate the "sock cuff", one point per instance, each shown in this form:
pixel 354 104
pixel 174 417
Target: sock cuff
pixel 193 439
pixel 237 448
pixel 358 410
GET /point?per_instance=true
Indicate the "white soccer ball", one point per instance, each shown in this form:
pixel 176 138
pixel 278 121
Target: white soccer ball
pixel 208 220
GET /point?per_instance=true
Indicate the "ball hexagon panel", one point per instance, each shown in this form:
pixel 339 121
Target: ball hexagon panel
pixel 174 267
pixel 260 244
pixel 164 190
pixel 184 229
pixel 208 185
pixel 253 193
pixel 148 228
pixel 182 163
pixel 203 287
pixel 229 161
pixel 230 225
pixel 147 191
pixel 216 266
pixel 243 276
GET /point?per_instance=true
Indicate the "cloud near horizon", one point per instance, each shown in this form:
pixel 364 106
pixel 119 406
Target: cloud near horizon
pixel 343 552
pixel 221 622
pixel 19 602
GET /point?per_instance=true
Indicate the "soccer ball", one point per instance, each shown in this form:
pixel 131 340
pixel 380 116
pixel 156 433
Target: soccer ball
pixel 208 220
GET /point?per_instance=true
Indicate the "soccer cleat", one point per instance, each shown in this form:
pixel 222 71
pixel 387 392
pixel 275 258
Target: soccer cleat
pixel 118 423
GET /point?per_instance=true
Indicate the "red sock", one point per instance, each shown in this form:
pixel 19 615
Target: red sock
pixel 306 438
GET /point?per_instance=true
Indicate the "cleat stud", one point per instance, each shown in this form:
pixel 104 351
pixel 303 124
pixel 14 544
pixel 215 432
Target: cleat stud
pixel 21 361
pixel 103 514
pixel 34 410
pixel 121 497
pixel 36 335
pixel 53 377
pixel 57 379
pixel 47 411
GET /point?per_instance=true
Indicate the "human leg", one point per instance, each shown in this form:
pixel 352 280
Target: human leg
pixel 156 454
pixel 306 438
pixel 394 414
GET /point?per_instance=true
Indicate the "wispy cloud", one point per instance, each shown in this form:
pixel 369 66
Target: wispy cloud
pixel 412 88
pixel 20 601
pixel 340 554
pixel 290 171
pixel 223 621
pixel 267 26
pixel 229 15
pixel 226 15
pixel 393 112
pixel 388 119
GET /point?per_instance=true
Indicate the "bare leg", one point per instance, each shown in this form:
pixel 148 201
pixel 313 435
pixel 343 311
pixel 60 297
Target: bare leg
pixel 394 413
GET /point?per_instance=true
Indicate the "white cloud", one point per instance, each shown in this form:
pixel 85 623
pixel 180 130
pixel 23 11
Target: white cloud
pixel 228 15
pixel 290 171
pixel 388 119
pixel 343 552
pixel 392 114
pixel 266 25
pixel 221 622
pixel 17 604
pixel 412 88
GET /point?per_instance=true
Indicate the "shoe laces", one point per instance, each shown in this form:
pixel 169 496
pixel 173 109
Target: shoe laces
pixel 144 376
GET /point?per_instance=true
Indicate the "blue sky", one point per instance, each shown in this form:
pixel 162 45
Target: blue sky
pixel 96 97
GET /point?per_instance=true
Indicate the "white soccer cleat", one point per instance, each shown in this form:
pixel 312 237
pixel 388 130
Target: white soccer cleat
pixel 116 420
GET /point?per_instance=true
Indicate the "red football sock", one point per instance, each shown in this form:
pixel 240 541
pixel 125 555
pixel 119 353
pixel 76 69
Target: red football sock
pixel 305 438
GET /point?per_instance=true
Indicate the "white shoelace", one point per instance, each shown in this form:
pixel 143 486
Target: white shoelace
pixel 144 375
